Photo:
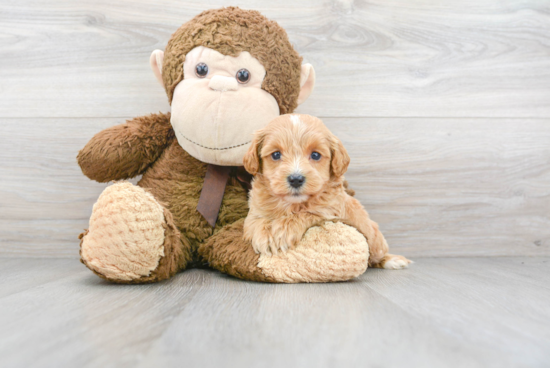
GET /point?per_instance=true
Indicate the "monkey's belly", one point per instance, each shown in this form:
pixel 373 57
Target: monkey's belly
pixel 175 180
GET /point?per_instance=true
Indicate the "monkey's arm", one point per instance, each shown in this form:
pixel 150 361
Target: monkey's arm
pixel 126 150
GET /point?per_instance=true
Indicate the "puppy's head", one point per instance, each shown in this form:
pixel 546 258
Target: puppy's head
pixel 297 155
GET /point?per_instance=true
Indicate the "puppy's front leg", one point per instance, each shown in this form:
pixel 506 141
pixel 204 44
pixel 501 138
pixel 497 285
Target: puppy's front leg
pixel 288 231
pixel 258 232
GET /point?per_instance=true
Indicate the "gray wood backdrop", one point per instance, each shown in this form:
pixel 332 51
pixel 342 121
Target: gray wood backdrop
pixel 443 105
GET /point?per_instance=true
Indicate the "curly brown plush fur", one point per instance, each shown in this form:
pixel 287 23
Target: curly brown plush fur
pixel 127 150
pixel 230 31
pixel 229 253
pixel 176 179
pixel 146 145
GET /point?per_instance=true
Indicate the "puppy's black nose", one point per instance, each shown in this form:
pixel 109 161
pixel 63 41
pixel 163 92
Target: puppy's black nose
pixel 296 181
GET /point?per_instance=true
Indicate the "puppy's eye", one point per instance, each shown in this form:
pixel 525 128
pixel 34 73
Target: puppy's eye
pixel 315 156
pixel 201 70
pixel 243 76
pixel 276 156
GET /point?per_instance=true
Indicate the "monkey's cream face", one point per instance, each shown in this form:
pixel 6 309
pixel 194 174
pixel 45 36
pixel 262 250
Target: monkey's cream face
pixel 219 104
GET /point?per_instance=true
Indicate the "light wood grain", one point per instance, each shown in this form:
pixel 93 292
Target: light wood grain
pixel 80 320
pixel 19 275
pixel 491 305
pixel 466 312
pixel 45 199
pixel 437 187
pixel 373 58
pixel 445 187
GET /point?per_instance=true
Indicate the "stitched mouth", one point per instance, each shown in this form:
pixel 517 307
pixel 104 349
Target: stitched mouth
pixel 212 148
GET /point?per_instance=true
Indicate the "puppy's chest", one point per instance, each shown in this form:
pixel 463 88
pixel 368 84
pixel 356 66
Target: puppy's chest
pixel 328 211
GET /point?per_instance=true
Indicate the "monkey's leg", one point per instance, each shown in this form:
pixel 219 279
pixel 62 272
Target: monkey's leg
pixel 227 252
pixel 132 238
pixel 328 252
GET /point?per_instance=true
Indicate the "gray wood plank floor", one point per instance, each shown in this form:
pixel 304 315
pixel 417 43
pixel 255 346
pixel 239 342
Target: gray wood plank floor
pixel 442 312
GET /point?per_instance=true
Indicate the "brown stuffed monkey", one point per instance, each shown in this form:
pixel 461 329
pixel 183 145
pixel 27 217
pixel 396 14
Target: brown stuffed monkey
pixel 227 73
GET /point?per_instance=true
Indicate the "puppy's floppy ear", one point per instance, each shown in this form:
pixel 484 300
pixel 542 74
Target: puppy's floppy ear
pixel 251 160
pixel 340 159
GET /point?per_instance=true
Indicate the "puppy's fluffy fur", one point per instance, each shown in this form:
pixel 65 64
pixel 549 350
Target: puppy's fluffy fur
pixel 279 213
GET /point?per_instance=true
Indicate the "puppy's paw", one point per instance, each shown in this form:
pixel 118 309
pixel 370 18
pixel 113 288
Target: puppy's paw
pixel 262 243
pixel 284 240
pixel 393 262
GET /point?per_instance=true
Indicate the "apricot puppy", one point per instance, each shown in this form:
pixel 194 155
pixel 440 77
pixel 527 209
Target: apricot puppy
pixel 298 167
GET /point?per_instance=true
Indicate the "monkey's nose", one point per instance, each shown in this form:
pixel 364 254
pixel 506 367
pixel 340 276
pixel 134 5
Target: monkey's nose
pixel 296 181
pixel 222 84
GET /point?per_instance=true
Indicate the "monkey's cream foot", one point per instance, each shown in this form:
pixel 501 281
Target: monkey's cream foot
pixel 393 262
pixel 328 252
pixel 132 238
pixel 331 251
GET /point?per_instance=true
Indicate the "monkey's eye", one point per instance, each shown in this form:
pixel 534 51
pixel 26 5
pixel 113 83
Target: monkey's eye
pixel 316 156
pixel 276 156
pixel 201 70
pixel 243 76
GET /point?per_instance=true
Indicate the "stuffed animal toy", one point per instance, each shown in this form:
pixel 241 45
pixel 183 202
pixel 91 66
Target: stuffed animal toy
pixel 227 73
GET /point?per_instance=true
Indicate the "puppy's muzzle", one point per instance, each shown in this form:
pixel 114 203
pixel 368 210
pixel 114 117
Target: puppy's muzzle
pixel 296 181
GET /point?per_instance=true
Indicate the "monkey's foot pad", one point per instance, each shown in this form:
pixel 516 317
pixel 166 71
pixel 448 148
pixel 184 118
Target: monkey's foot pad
pixel 330 252
pixel 126 234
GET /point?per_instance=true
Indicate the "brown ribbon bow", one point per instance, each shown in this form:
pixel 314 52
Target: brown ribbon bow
pixel 213 189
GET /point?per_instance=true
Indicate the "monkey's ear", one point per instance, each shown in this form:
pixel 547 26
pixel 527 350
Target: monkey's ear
pixel 156 64
pixel 307 82
pixel 340 159
pixel 251 160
